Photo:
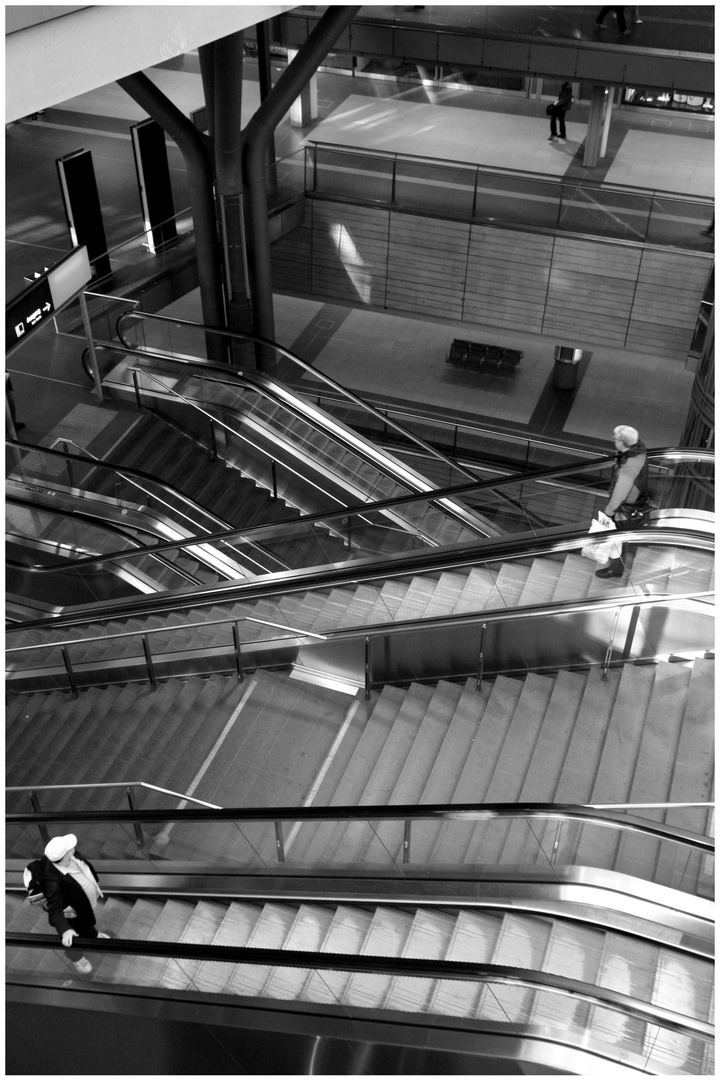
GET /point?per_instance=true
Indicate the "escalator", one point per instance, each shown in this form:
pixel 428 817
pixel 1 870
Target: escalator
pixel 570 972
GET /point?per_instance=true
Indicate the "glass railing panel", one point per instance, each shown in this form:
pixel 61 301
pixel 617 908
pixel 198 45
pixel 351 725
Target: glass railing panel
pixel 520 200
pixel 357 176
pixel 603 212
pixel 285 179
pixel 424 187
pixel 678 223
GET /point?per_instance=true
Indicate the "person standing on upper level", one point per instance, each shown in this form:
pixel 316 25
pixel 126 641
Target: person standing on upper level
pixel 619 15
pixel 557 112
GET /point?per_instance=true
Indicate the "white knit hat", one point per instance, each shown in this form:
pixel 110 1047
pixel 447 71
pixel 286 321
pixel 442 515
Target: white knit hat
pixel 59 846
pixel 628 436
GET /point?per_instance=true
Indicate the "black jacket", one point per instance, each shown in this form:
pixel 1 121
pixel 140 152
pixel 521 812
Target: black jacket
pixel 61 891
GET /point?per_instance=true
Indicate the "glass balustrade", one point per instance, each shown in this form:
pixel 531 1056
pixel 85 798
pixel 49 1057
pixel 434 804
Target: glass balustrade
pixel 438 843
pixel 468 192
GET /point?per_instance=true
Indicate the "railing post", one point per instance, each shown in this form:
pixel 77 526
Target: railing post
pixel 137 826
pixel 279 842
pixel 630 637
pixel 611 643
pixel 406 842
pixel 273 472
pixel 475 194
pixel 367 668
pixel 35 803
pixel 481 659
pixel 213 440
pixel 69 670
pixel 348 538
pixel 393 186
pixel 149 662
pixel 238 652
pixel 137 389
pixel 556 841
pixel 68 465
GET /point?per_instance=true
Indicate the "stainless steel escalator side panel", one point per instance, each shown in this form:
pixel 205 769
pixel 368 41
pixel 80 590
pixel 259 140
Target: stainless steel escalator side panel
pixel 304 1038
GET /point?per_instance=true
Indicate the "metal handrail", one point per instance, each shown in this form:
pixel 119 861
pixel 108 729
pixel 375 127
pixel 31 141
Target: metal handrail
pixel 403 966
pixel 308 368
pixel 117 784
pixel 395 812
pixel 548 475
pixel 499 170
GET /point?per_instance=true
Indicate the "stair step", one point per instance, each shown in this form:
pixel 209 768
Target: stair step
pixel 511 766
pixel 473 941
pixel 429 938
pixel 406 785
pixel 201 928
pixel 351 838
pixel 347 932
pixel 307 933
pixel 454 836
pixel 387 935
pixel 270 932
pixel 239 921
pixel 652 779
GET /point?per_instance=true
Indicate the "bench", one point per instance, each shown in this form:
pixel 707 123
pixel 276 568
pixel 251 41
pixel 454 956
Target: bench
pixel 492 359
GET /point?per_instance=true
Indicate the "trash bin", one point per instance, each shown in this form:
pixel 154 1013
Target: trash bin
pixel 565 372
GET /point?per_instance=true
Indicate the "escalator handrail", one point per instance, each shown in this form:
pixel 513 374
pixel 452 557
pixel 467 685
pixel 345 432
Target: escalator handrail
pixel 123 471
pixel 308 368
pixel 387 465
pixel 72 564
pixel 462 970
pixel 346 634
pixel 436 560
pixel 249 535
pixel 397 812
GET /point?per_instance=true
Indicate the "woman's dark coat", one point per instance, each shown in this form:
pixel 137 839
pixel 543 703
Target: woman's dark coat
pixel 61 891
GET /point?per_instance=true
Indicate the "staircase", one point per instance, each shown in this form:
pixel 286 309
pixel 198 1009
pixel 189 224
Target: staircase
pixel 515 583
pixel 631 965
pixel 260 742
pixel 156 447
pixel 642 734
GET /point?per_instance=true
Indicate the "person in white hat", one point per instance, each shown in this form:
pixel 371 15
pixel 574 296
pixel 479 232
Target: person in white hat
pixel 72 891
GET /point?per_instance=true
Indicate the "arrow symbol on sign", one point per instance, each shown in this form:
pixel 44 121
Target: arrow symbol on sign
pixel 46 307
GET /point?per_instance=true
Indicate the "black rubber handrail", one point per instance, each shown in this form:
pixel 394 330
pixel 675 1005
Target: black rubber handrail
pixel 397 812
pixel 402 966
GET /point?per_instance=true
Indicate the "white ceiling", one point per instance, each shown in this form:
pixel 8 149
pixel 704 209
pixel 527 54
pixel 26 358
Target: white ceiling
pixel 53 53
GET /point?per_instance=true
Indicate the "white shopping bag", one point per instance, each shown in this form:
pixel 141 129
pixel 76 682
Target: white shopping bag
pixel 602 550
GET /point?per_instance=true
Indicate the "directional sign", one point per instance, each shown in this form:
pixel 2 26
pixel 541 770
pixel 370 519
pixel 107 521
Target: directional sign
pixel 27 311
pixel 48 294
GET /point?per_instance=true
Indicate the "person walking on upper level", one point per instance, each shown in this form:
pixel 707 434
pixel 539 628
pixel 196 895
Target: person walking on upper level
pixel 629 489
pixel 619 15
pixel 557 112
pixel 70 882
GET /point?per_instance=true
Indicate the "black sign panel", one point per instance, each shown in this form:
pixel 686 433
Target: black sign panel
pixel 27 311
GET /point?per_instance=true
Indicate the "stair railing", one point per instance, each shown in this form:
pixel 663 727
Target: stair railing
pixel 348 634
pixel 129 785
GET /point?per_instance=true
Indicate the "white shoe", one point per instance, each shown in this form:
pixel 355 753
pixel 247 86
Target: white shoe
pixel 638 22
pixel 552 138
pixel 103 935
pixel 562 140
pixel 83 966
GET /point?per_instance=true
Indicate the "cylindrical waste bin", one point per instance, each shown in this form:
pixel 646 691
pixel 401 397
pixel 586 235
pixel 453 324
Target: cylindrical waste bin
pixel 565 372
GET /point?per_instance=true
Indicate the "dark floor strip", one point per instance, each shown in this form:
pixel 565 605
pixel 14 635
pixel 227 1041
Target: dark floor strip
pixel 314 337
pixel 553 406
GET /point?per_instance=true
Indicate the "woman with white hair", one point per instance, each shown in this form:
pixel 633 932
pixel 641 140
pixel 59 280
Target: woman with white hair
pixel 71 890
pixel 629 488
